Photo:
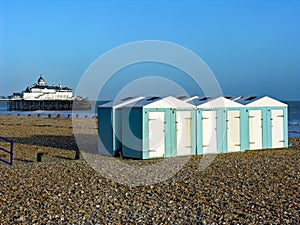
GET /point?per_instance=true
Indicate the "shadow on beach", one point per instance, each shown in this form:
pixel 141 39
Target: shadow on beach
pixel 63 142
pixel 88 142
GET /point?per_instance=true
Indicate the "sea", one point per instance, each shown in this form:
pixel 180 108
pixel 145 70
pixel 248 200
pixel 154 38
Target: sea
pixel 293 115
pixel 294 118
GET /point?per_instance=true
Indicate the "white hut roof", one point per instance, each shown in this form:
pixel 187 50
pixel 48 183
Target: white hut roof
pixel 128 102
pixel 198 100
pixel 143 102
pixel 120 102
pixel 191 99
pixel 220 102
pixel 266 101
pixel 246 100
pixel 169 102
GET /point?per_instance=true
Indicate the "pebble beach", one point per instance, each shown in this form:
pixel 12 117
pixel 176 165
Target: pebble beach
pixel 253 187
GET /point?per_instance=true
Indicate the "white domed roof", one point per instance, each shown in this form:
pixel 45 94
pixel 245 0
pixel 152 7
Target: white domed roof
pixel 41 80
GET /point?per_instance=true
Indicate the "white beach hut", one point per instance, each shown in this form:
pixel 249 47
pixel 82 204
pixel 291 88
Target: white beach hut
pixel 256 123
pixel 206 127
pixel 157 127
pixel 183 127
pixel 219 126
pixel 268 123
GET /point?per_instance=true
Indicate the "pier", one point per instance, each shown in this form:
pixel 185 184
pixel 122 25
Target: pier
pixel 32 105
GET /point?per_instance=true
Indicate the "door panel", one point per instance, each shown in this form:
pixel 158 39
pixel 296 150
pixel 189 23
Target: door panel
pixel 233 131
pixel 209 132
pixel 277 128
pixel 255 129
pixel 156 134
pixel 184 132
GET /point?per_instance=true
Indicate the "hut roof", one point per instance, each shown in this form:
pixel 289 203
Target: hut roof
pixel 220 102
pixel 266 101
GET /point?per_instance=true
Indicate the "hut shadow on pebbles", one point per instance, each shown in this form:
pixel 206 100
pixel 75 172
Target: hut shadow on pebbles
pixel 62 142
pixel 58 147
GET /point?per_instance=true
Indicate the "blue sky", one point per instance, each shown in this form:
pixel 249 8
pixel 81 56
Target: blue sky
pixel 253 47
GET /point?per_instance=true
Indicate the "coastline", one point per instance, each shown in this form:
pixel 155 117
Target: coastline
pixel 50 114
pixel 293 117
pixel 251 187
pixel 37 129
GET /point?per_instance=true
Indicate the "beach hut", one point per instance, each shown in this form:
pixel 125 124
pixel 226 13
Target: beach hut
pixel 256 131
pixel 219 125
pixel 158 127
pixel 206 127
pixel 109 125
pixel 268 123
pixel 183 128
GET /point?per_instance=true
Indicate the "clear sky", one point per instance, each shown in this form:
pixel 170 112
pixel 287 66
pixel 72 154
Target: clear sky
pixel 253 47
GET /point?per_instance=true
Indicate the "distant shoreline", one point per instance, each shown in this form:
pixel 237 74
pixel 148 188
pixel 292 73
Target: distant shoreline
pixel 51 114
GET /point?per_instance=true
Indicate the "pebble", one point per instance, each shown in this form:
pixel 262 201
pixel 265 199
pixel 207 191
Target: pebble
pixel 255 187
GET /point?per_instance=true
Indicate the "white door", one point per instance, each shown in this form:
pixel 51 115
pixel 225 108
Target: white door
pixel 156 134
pixel 277 128
pixel 209 132
pixel 184 132
pixel 255 129
pixel 233 131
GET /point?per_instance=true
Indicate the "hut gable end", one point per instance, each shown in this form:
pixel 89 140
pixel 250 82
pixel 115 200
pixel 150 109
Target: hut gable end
pixel 220 102
pixel 266 102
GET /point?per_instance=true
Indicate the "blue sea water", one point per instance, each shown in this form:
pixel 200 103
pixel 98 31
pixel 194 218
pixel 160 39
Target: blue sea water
pixel 294 118
pixel 293 115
